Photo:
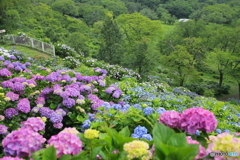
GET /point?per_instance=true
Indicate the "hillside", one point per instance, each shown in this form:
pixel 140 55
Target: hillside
pixel 113 104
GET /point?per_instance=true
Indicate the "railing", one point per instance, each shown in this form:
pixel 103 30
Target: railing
pixel 30 42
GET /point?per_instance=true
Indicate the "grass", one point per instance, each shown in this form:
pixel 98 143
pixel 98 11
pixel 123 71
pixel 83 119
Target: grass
pixel 167 28
pixel 31 52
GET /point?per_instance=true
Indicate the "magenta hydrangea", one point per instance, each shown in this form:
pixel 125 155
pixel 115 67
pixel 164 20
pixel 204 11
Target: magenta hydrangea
pixel 33 123
pixel 22 142
pixel 3 129
pixel 13 96
pixel 65 143
pixel 24 105
pixel 170 119
pixel 5 72
pixel 201 151
pixel 193 119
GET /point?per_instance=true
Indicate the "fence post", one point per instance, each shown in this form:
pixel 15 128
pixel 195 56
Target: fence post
pixel 42 47
pixel 32 43
pixel 13 39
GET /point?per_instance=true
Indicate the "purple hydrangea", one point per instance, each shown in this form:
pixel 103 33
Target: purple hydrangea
pixel 102 83
pixel 10 66
pixel 46 112
pixel 2 58
pixel 7 84
pixel 5 72
pixel 17 86
pixel 66 77
pixel 170 119
pixel 60 111
pixel 12 57
pixel 198 119
pixel 73 92
pixel 24 105
pixel 65 143
pixel 28 64
pixel 65 94
pixel 10 112
pixel 58 125
pixel 3 129
pixel 13 96
pixel 38 77
pixel 52 77
pixel 110 89
pixel 69 102
pixel 10 158
pixel 18 68
pixel 22 142
pixel 33 123
pixel 46 90
pixel 56 118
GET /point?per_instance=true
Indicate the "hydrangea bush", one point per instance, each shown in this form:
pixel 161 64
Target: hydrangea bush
pixel 87 113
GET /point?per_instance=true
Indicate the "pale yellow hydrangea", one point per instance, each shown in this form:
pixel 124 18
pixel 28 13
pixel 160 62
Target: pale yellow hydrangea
pixel 31 85
pixel 70 130
pixel 2 94
pixel 7 99
pixel 91 134
pixel 44 119
pixel 137 149
pixel 40 105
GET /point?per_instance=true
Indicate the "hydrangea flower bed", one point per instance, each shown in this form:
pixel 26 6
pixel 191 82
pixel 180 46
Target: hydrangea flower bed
pixel 62 114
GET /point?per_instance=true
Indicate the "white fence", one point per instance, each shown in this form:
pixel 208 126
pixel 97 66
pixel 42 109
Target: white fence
pixel 30 42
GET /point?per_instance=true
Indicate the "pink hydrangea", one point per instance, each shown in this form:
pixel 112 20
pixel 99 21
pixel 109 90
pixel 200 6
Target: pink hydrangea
pixel 13 96
pixel 3 129
pixel 22 142
pixel 201 151
pixel 170 119
pixel 10 158
pixel 193 119
pixel 65 143
pixel 33 123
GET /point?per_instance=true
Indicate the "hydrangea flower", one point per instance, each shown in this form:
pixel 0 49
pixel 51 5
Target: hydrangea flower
pixel 201 151
pixel 33 123
pixel 22 142
pixel 70 130
pixel 58 125
pixel 224 142
pixel 5 72
pixel 160 110
pixel 86 124
pixel 218 131
pixel 141 132
pixel 46 112
pixel 56 118
pixel 7 84
pixel 91 134
pixel 170 119
pixel 13 96
pixel 136 149
pixel 69 102
pixel 148 110
pixel 24 105
pixel 17 86
pixel 65 143
pixel 10 112
pixel 3 129
pixel 193 119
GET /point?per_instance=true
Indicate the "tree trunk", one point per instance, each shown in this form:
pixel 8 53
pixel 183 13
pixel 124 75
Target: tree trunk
pixel 220 78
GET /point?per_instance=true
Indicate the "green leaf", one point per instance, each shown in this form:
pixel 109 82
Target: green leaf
pixel 49 154
pixel 66 157
pixel 125 132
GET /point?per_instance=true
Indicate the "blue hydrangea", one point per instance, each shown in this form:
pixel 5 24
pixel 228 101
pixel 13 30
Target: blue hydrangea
pixel 116 106
pixel 226 130
pixel 197 132
pixel 147 137
pixel 160 110
pixel 137 106
pixel 91 117
pixel 218 131
pixel 86 124
pixel 148 110
pixel 139 130
pixel 135 136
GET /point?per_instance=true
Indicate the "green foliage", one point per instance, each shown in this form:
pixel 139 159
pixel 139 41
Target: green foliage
pixel 172 145
pixel 65 7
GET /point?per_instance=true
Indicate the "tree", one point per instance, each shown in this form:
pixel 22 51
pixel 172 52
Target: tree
pixel 66 7
pixel 149 13
pixel 111 49
pixel 220 61
pixel 181 64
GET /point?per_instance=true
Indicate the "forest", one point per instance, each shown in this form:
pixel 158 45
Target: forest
pixel 201 54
